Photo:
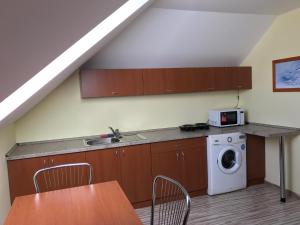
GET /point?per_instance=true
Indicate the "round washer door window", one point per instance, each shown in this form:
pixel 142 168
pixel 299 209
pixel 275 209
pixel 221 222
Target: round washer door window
pixel 229 160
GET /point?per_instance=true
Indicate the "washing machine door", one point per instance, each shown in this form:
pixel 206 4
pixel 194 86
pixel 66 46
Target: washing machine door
pixel 229 159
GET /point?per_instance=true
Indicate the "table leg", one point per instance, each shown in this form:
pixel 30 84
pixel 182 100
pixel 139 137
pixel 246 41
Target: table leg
pixel 282 172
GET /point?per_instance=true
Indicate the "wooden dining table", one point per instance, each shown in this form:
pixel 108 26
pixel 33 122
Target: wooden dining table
pixel 102 203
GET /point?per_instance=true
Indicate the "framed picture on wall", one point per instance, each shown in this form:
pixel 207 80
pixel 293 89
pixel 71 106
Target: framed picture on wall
pixel 286 74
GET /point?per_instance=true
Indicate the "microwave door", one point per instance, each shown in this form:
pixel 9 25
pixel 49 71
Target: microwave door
pixel 229 118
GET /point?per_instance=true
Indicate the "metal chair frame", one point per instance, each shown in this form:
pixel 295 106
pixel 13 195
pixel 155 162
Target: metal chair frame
pixel 35 176
pixel 178 219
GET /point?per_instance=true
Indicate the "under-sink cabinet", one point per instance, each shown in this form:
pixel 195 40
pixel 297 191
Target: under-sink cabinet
pixel 130 166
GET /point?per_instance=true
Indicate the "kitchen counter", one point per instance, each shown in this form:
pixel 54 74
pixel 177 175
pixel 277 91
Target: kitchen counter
pixel 55 147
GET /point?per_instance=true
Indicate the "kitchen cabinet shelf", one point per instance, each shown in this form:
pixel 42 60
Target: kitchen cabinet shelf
pixel 134 82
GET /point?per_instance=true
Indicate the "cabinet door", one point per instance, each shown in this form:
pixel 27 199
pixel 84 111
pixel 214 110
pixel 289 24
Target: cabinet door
pixel 106 165
pixel 20 173
pixel 233 78
pixel 153 80
pixel 194 164
pixel 96 83
pixel 165 160
pixel 128 82
pixel 244 78
pixel 179 80
pixel 105 83
pixel 67 158
pixel 224 78
pixel 203 79
pixel 136 172
pixel 255 159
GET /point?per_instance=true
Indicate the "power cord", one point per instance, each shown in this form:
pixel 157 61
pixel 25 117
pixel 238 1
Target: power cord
pixel 238 99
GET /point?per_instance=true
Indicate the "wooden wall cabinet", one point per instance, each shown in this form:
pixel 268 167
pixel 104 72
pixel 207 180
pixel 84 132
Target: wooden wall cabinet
pixel 105 83
pixel 130 166
pixel 255 160
pixel 20 172
pixel 108 83
pixel 182 160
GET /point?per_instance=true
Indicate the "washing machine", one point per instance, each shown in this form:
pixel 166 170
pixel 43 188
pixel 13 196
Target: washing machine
pixel 226 162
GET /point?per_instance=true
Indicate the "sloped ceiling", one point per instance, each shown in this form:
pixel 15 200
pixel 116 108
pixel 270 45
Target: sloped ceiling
pixel 34 32
pixel 268 7
pixel 183 38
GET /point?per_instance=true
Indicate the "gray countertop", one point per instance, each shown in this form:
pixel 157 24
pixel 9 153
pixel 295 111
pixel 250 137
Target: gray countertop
pixel 55 147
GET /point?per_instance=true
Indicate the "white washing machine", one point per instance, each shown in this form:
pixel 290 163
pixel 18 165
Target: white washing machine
pixel 226 162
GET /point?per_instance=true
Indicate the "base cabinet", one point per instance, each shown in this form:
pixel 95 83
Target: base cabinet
pixel 130 166
pixel 182 160
pixel 134 167
pixel 20 172
pixel 255 160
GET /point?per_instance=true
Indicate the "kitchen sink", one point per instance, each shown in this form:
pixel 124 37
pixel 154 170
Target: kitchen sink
pixel 105 141
pixel 97 141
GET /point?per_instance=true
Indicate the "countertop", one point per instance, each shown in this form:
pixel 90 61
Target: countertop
pixel 63 146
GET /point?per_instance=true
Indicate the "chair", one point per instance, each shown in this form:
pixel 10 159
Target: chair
pixel 174 202
pixel 62 176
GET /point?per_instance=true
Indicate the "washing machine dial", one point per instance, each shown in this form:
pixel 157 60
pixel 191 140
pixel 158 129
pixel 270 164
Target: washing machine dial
pixel 229 139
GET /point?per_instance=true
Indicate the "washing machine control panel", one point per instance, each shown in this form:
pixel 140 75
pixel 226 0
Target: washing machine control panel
pixel 243 146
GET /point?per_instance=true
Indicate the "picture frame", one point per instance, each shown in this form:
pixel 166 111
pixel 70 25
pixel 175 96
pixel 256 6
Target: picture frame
pixel 286 74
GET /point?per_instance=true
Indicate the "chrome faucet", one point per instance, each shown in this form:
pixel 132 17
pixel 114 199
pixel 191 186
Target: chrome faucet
pixel 116 132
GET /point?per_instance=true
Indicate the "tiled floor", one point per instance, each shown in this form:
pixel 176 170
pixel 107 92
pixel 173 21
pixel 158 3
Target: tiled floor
pixel 255 205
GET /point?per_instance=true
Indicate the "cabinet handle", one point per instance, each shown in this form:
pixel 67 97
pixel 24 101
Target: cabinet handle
pixel 52 161
pixel 44 161
pixel 114 93
pixel 177 156
pixel 116 153
pixel 210 89
pixel 182 154
pixel 170 91
pixel 123 152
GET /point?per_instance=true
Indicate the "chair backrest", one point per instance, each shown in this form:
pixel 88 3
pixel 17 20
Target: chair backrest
pixel 62 176
pixel 171 203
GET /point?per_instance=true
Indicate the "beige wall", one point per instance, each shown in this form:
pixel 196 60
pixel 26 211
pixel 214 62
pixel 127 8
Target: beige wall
pixel 280 41
pixel 64 114
pixel 7 140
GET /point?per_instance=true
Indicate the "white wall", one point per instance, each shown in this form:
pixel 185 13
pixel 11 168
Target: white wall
pixel 266 106
pixel 7 140
pixel 170 38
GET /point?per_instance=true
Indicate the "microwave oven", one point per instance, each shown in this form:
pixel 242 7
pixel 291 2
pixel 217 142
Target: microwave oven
pixel 226 117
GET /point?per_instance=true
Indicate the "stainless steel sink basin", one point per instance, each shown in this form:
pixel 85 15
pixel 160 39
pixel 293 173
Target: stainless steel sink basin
pixel 105 141
pixel 97 141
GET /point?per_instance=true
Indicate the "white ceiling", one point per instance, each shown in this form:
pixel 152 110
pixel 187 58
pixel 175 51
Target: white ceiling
pixel 270 7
